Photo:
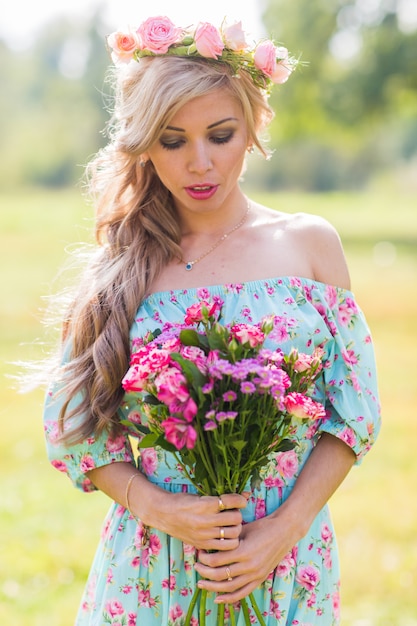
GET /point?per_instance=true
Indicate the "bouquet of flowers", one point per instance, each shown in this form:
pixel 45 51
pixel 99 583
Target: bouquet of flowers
pixel 221 402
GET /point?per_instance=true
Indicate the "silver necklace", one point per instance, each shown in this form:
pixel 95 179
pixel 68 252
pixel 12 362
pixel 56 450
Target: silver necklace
pixel 189 266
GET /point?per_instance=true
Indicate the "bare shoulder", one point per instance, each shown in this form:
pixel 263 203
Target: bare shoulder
pixel 316 240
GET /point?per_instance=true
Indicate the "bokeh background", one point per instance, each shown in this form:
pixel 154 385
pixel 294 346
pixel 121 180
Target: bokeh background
pixel 345 147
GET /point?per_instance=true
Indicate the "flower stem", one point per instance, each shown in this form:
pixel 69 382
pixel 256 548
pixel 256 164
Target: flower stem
pixel 232 615
pixel 256 609
pixel 191 606
pixel 202 612
pixel 220 615
pixel 245 611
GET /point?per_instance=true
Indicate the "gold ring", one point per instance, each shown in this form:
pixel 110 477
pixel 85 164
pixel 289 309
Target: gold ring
pixel 229 574
pixel 221 505
pixel 221 534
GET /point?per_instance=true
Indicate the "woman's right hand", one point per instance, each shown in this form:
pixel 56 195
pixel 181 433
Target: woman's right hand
pixel 205 522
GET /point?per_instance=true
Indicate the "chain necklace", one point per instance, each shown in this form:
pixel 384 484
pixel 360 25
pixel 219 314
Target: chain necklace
pixel 189 266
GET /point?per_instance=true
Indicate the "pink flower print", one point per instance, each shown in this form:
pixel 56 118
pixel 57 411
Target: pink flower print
pixel 145 599
pixel 175 612
pixel 311 600
pixel 131 619
pixel 286 565
pixel 349 357
pixel 87 463
pixel 274 610
pixel 116 445
pixel 273 481
pixel 331 296
pixel 328 559
pixel 347 310
pixel 105 529
pixel 287 463
pixel 149 460
pixel 348 436
pixel 109 578
pixel 59 465
pixel 114 608
pixel 127 589
pixel 260 508
pixel 154 545
pixel 52 431
pixel 169 583
pixel 336 604
pixel 308 577
pixel 326 533
pixel 203 294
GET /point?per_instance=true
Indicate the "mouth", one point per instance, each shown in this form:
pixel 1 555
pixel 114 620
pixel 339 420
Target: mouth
pixel 203 191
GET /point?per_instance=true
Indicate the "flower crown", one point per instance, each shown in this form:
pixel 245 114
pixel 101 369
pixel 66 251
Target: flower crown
pixel 266 63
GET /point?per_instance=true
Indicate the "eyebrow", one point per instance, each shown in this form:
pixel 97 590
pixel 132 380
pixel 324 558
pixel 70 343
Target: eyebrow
pixel 226 119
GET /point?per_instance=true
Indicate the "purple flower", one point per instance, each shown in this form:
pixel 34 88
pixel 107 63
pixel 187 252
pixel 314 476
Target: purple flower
pixel 247 387
pixel 222 416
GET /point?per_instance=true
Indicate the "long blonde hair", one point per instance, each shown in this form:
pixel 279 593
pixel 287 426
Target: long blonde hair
pixel 136 228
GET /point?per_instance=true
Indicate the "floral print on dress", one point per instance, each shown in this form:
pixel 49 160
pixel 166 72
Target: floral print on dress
pixel 135 582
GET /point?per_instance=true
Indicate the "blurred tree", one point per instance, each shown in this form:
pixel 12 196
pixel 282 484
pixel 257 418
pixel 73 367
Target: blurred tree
pixel 353 109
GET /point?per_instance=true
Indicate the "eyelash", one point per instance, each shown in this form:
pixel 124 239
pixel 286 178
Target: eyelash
pixel 177 144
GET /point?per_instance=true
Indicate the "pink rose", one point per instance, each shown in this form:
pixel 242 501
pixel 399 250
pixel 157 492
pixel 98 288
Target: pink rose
pixel 287 463
pixel 302 407
pixel 265 59
pixel 201 311
pixel 157 34
pixel 247 334
pixel 87 463
pixel 234 37
pixel 149 460
pixel 123 46
pixel 208 41
pixel 59 465
pixel 171 385
pixel 116 445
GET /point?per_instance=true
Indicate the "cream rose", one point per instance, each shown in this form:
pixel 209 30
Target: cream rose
pixel 123 45
pixel 234 37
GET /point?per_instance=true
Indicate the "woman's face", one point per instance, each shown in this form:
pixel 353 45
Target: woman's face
pixel 200 155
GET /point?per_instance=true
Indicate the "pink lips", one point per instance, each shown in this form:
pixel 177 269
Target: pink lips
pixel 202 191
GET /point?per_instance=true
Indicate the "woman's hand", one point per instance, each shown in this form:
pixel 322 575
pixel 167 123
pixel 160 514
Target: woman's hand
pixel 233 575
pixel 206 522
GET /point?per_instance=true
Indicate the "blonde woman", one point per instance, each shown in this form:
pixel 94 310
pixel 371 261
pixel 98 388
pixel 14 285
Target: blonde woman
pixel 173 226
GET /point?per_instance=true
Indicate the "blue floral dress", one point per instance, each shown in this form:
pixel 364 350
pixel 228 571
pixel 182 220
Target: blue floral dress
pixel 131 584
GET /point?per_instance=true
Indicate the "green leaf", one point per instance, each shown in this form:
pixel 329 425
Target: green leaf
pixel 189 337
pixel 239 445
pixel 150 399
pixel 144 430
pixel 190 370
pixel 149 441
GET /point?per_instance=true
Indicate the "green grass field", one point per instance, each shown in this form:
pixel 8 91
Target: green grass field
pixel 49 531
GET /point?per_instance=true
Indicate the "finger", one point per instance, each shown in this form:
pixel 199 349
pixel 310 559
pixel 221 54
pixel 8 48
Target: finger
pixel 236 594
pixel 230 501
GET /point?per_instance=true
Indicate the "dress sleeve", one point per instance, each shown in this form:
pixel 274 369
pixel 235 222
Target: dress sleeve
pixel 76 460
pixel 350 376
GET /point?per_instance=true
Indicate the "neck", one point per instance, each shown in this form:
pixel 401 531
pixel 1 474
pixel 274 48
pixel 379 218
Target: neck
pixel 211 223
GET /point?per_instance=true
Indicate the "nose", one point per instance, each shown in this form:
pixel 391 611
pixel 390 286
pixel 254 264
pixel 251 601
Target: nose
pixel 200 158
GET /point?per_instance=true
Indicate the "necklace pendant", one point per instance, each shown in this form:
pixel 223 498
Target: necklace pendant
pixel 189 266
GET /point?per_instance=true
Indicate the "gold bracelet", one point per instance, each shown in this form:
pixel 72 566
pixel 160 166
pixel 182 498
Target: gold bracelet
pixel 129 482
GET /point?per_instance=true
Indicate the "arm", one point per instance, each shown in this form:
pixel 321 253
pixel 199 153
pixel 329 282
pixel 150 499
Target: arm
pixel 193 519
pixel 256 556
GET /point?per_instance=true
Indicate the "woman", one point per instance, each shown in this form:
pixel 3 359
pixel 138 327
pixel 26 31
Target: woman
pixel 174 226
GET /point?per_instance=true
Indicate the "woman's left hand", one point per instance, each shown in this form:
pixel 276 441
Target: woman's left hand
pixel 236 573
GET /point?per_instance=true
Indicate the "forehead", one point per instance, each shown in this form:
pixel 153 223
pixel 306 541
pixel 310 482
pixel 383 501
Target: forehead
pixel 208 109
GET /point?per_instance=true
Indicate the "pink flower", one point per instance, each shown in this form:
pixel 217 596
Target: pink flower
pixel 116 445
pixel 336 604
pixel 179 433
pixel 308 577
pixel 113 608
pixel 349 357
pixel 208 41
pixel 132 619
pixel 265 59
pixel 260 508
pixel 196 356
pixel 234 37
pixel 59 465
pixel 87 463
pixel 287 463
pixel 171 385
pixel 348 436
pixel 123 46
pixel 157 34
pixel 145 599
pixel 169 583
pixel 247 334
pixel 326 533
pixel 149 460
pixel 201 310
pixel 286 565
pixel 302 407
pixel 175 612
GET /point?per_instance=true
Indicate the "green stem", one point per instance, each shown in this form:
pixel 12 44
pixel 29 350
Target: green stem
pixel 256 609
pixel 220 615
pixel 245 611
pixel 202 612
pixel 232 615
pixel 191 607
